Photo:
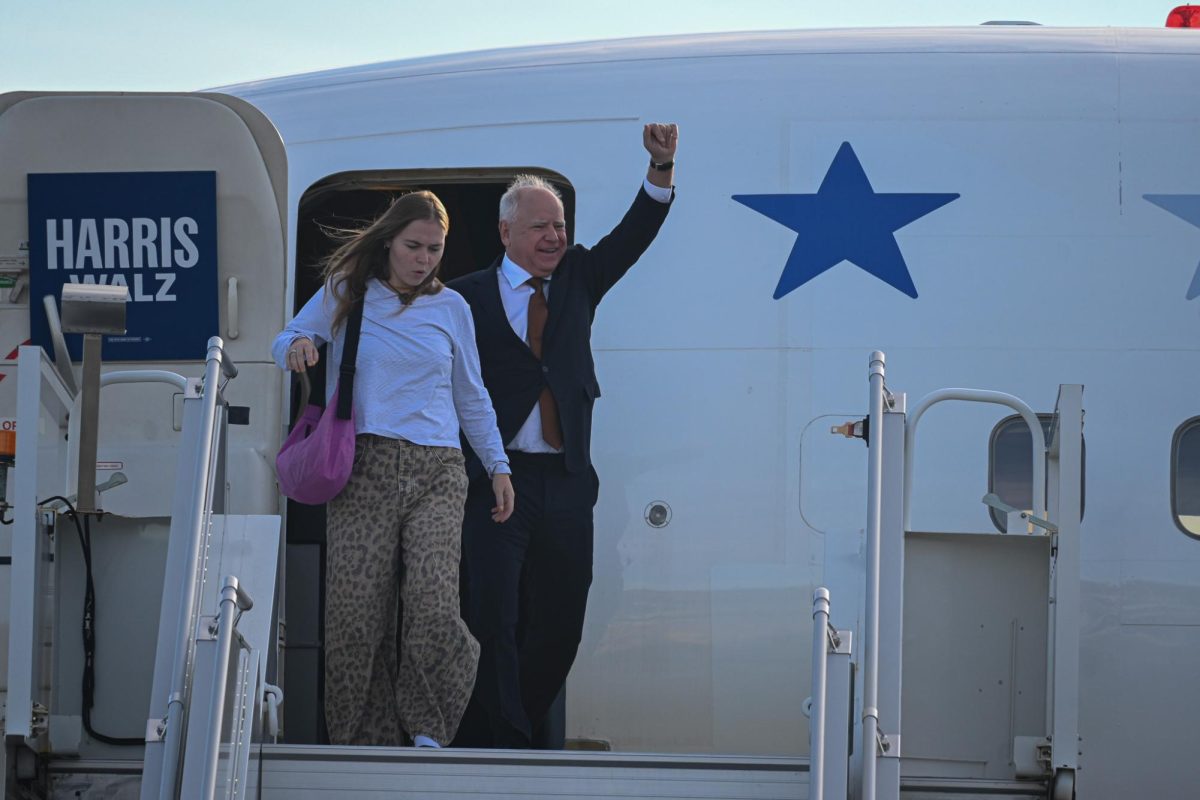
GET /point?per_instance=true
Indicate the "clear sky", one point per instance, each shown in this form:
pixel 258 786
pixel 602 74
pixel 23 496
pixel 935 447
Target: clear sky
pixel 176 45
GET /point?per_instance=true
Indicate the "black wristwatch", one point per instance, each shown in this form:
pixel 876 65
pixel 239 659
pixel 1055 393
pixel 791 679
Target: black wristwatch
pixel 662 167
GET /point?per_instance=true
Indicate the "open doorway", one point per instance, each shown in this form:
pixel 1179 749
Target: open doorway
pixel 350 200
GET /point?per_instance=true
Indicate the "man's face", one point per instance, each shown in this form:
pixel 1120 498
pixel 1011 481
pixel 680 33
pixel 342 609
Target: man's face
pixel 537 239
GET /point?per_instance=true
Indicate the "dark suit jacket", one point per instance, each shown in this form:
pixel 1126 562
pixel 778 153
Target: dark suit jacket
pixel 513 376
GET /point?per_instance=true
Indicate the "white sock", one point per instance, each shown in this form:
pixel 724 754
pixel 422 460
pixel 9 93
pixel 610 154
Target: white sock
pixel 421 740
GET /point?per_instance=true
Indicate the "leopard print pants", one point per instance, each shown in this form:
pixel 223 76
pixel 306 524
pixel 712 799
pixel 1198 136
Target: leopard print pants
pixel 403 504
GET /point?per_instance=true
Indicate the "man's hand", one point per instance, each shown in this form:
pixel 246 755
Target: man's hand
pixel 505 497
pixel 660 141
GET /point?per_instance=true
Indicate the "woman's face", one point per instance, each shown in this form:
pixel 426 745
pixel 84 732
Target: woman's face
pixel 414 253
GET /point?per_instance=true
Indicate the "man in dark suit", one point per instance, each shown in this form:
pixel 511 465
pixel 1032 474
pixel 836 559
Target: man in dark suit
pixel 526 579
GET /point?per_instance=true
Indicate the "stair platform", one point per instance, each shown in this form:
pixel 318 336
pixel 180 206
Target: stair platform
pixel 302 772
pixel 309 772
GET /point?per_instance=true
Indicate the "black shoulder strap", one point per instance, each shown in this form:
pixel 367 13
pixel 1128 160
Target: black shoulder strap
pixel 349 358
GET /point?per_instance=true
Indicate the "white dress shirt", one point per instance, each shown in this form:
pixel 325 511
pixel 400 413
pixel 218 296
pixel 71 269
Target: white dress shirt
pixel 515 294
pixel 417 373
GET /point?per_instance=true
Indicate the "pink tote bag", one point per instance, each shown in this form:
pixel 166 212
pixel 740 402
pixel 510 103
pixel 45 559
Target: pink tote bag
pixel 317 457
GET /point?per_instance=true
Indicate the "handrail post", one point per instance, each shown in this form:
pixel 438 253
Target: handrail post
pixel 89 426
pixel 231 601
pixel 194 492
pixel 870 728
pixel 1063 689
pixel 816 718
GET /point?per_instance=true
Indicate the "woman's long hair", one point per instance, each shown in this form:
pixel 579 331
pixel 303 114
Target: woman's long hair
pixel 364 254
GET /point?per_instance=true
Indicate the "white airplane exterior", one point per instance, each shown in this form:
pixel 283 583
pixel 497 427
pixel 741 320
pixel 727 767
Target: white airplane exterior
pixel 1001 207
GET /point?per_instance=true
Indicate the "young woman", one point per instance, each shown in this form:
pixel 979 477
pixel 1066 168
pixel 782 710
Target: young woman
pixel 417 384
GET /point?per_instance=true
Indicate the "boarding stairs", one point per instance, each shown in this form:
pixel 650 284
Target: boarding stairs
pixel 191 573
pixel 212 724
pixel 968 665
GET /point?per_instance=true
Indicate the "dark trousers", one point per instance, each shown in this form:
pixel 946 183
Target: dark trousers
pixel 525 593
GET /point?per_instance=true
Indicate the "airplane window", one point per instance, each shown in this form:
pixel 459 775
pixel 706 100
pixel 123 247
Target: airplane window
pixel 1185 477
pixel 1010 464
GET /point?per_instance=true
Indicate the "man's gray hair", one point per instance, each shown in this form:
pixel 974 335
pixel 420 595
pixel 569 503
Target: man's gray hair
pixel 508 201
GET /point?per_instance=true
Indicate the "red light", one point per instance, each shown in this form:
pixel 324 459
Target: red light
pixel 1184 17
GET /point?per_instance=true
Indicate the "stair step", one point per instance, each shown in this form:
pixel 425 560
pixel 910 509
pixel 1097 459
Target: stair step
pixel 912 788
pixel 300 772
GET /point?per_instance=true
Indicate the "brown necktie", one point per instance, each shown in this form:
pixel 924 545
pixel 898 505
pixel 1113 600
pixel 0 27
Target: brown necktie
pixel 538 311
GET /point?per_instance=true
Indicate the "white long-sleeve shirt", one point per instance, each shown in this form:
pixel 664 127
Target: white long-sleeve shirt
pixel 417 373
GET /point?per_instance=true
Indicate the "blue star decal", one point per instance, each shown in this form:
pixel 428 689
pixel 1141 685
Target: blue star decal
pixel 846 220
pixel 1187 208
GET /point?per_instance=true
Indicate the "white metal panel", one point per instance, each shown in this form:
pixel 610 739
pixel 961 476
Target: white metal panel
pixel 147 132
pixel 127 569
pixel 974 651
pixel 93 132
pixel 859 41
pixel 43 401
pixel 659 630
pixel 1152 667
pixel 247 546
pixel 300 773
pixel 760 652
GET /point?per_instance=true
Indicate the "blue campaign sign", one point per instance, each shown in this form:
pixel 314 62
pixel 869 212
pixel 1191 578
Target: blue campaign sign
pixel 153 232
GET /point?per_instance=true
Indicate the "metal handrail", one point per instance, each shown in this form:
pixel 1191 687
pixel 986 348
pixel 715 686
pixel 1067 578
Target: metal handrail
pixel 62 356
pixel 145 376
pixel 870 717
pixel 816 717
pixel 202 495
pixel 976 396
pixel 233 600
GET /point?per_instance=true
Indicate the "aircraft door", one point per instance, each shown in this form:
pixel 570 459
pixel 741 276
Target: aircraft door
pixel 833 477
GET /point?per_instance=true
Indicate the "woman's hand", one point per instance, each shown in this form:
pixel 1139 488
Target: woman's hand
pixel 301 354
pixel 505 497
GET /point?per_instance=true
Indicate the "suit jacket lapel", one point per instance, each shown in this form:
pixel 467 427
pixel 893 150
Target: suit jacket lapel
pixel 493 306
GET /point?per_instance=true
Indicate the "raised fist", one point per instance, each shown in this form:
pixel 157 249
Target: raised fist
pixel 660 140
